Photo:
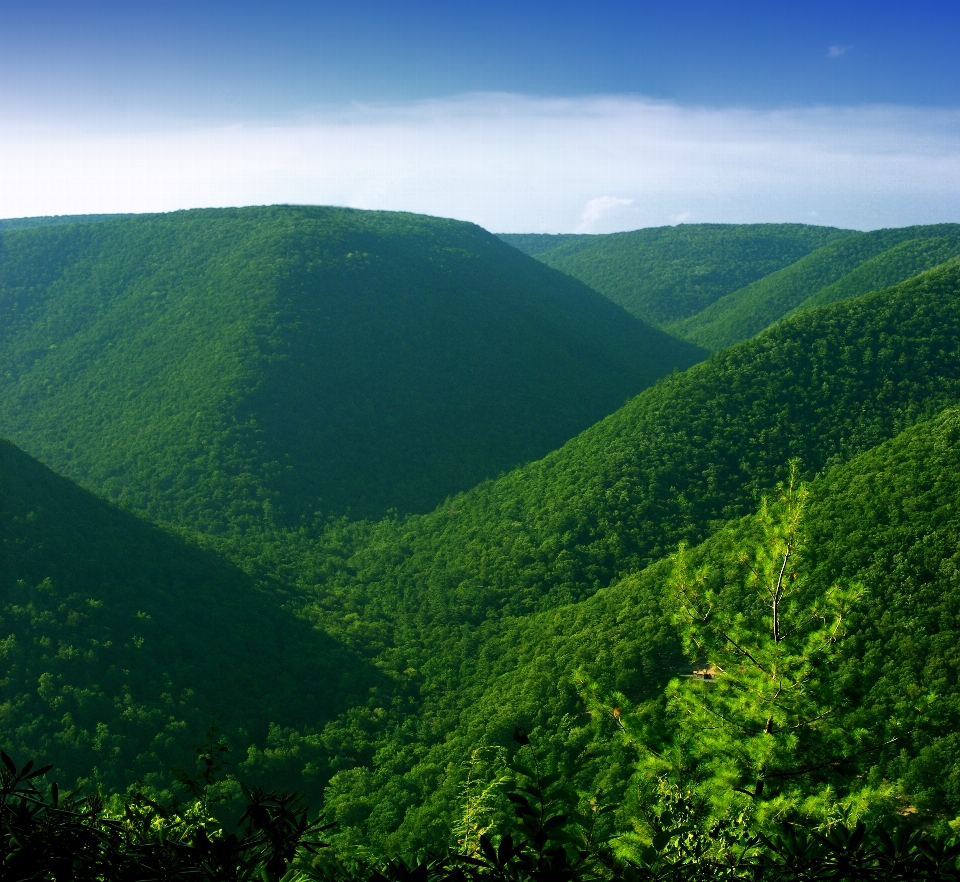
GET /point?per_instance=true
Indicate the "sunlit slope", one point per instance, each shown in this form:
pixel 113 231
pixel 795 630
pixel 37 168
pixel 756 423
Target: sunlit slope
pixel 889 518
pixel 680 458
pixel 121 644
pixel 664 274
pixel 849 267
pixel 229 367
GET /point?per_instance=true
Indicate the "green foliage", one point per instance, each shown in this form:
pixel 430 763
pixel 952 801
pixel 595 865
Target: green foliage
pixel 24 223
pixel 120 642
pixel 848 267
pixel 499 596
pixel 761 688
pixel 369 660
pixel 47 835
pixel 231 369
pixel 68 836
pixel 664 274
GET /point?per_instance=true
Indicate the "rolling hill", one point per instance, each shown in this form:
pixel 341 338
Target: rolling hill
pixel 122 644
pixel 678 462
pixel 887 518
pixel 664 274
pixel 370 660
pixel 228 368
pixel 848 267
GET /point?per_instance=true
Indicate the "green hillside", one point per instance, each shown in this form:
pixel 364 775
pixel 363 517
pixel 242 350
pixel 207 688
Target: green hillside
pixel 230 367
pixel 849 267
pixel 121 644
pixel 369 660
pixel 23 223
pixel 888 518
pixel 683 457
pixel 664 274
pixel 677 463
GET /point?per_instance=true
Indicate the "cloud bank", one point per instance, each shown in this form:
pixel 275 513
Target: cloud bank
pixel 509 163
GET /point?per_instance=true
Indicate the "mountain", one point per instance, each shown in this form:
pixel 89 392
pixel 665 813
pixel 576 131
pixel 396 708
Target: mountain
pixel 23 223
pixel 408 648
pixel 122 644
pixel 682 457
pixel 678 462
pixel 664 274
pixel 888 518
pixel 226 368
pixel 848 267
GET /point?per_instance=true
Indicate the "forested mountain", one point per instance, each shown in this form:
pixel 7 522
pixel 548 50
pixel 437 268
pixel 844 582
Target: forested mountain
pixel 853 265
pixel 121 644
pixel 677 463
pixel 23 223
pixel 664 274
pixel 381 664
pixel 228 367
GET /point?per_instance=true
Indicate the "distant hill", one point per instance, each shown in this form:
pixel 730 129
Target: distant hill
pixel 664 274
pixel 23 223
pixel 121 644
pixel 848 267
pixel 225 368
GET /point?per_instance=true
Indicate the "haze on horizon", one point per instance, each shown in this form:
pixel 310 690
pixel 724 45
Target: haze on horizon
pixel 522 117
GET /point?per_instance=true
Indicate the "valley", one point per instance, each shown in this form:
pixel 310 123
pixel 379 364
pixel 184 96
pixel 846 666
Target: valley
pixel 368 490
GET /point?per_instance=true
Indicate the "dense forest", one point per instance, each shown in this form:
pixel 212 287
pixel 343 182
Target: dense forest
pixel 355 495
pixel 665 274
pixel 428 355
pixel 853 265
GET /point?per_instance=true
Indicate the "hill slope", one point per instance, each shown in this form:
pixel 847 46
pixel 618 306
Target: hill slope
pixel 888 518
pixel 230 367
pixel 692 452
pixel 677 462
pixel 23 223
pixel 121 643
pixel 849 267
pixel 664 274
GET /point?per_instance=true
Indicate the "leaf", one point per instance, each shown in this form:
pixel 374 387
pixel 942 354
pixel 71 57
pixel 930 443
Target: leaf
pixel 9 763
pixel 505 852
pixel 521 769
pixel 486 846
pixel 661 839
pixel 547 780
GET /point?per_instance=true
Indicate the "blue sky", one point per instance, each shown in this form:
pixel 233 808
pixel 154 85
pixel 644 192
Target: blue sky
pixel 520 116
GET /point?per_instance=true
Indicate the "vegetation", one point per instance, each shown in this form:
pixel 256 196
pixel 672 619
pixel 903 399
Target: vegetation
pixel 44 835
pixel 383 667
pixel 23 223
pixel 120 642
pixel 848 267
pixel 237 367
pixel 665 274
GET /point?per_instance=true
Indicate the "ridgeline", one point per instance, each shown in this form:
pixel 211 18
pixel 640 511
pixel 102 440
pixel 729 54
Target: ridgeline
pixel 228 368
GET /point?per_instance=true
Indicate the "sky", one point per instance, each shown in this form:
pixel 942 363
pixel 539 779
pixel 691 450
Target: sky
pixel 520 116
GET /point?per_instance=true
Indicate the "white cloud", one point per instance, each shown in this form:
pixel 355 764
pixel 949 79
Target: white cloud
pixel 597 208
pixel 835 51
pixel 510 163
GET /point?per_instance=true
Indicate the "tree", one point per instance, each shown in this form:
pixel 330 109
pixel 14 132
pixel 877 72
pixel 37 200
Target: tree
pixel 754 715
pixel 759 708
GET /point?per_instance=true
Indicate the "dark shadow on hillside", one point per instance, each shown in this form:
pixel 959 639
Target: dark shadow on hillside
pixel 415 363
pixel 134 627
